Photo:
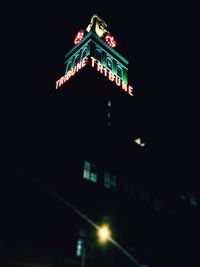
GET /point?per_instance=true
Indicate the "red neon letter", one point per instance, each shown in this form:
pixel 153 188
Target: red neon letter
pixel 57 84
pixel 65 77
pixel 61 81
pixel 117 81
pixel 69 74
pixel 99 67
pixel 130 90
pixel 105 72
pixel 111 76
pixel 93 61
pixel 78 66
pixel 73 70
pixel 124 86
pixel 84 61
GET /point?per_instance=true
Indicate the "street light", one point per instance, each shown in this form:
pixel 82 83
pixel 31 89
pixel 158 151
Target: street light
pixel 104 233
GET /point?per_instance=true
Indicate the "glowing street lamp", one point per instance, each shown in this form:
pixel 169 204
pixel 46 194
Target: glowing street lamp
pixel 104 233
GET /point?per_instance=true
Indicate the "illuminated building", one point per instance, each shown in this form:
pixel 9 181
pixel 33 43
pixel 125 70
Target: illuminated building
pixel 99 155
pixel 102 156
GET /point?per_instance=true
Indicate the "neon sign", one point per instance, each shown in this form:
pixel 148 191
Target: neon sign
pixel 110 40
pixel 100 68
pixel 112 77
pixel 79 37
pixel 71 72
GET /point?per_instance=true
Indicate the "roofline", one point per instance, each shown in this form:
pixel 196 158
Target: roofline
pixel 94 35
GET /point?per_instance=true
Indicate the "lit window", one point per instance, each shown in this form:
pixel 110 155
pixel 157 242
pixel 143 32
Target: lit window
pixel 119 71
pixel 90 171
pixel 106 180
pixel 86 170
pixel 109 180
pixel 109 103
pixel 79 247
pixel 109 64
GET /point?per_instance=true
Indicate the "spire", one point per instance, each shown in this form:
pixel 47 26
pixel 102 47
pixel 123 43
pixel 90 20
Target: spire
pixel 97 25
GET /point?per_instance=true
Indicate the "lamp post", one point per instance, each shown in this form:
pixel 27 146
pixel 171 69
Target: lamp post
pixel 83 257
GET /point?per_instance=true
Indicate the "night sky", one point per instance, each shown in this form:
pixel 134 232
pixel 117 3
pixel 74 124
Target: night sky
pixel 159 40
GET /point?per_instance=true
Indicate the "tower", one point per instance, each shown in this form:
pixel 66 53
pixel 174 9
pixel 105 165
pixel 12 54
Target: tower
pixel 96 44
pixel 98 155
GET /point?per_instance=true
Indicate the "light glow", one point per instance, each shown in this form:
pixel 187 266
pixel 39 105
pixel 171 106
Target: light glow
pixel 138 141
pixel 79 37
pixel 110 40
pixel 104 233
pixel 112 77
pixel 100 25
pixel 100 68
pixel 71 72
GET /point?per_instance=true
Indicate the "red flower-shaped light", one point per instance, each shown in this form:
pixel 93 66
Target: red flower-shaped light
pixel 79 37
pixel 110 40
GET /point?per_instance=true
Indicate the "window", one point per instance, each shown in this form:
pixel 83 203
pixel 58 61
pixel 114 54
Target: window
pixel 90 171
pixel 119 71
pixel 98 55
pixel 69 66
pixel 86 170
pixel 109 64
pixel 84 52
pixel 79 247
pixel 109 181
pixel 93 174
pixel 77 59
pixel 106 180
